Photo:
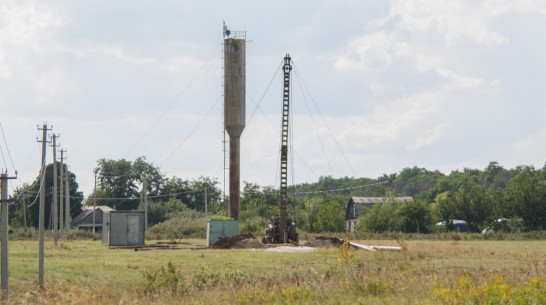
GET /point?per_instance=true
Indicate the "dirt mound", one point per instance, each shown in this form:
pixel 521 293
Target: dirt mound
pixel 323 242
pixel 233 241
pixel 248 244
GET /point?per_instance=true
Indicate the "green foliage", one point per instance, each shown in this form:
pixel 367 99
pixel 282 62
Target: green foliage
pixel 30 194
pixel 527 194
pixel 167 279
pixel 383 218
pixel 416 215
pixel 178 228
pixel 255 225
pixel 161 211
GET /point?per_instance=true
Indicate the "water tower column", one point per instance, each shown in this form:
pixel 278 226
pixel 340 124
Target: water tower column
pixel 234 109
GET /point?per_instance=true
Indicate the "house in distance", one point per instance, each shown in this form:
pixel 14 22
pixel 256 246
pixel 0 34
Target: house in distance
pixel 84 221
pixel 358 206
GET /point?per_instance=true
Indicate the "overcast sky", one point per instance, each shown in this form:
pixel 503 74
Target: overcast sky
pixel 377 85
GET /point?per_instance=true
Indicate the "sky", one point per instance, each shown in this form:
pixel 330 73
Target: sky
pixel 377 86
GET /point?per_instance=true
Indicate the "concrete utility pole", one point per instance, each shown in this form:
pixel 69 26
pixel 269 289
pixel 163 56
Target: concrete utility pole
pixel 94 201
pixel 61 195
pixel 55 201
pixel 206 202
pixel 24 208
pixel 41 213
pixel 145 195
pixel 67 201
pixel 4 227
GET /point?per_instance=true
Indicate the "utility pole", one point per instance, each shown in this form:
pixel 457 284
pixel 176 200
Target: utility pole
pixel 61 195
pixel 24 208
pixel 55 202
pixel 206 202
pixel 94 201
pixel 145 192
pixel 41 213
pixel 67 201
pixel 4 227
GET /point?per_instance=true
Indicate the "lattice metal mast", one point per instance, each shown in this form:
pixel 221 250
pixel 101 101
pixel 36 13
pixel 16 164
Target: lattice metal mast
pixel 287 68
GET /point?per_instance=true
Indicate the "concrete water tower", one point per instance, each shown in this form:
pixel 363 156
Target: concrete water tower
pixel 234 109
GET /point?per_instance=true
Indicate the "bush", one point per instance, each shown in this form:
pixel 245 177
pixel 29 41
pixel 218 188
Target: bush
pixel 255 225
pixel 178 228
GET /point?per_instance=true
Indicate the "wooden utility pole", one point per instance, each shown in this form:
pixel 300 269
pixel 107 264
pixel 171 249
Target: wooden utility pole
pixel 55 201
pixel 61 195
pixel 41 213
pixel 4 227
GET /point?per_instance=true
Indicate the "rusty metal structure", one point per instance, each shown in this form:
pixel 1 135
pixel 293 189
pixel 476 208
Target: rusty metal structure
pixel 283 200
pixel 234 109
pixel 282 229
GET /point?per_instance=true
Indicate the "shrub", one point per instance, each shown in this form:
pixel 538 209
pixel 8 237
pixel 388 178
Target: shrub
pixel 178 228
pixel 255 225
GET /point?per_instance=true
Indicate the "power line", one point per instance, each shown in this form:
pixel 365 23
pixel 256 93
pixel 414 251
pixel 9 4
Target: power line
pixel 324 120
pixel 190 133
pixel 7 148
pixel 175 99
pixel 315 127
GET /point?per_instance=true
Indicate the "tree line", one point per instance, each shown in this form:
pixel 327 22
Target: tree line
pixel 476 196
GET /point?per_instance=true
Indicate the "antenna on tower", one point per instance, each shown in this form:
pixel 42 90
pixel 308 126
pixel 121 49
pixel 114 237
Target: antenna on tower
pixel 227 32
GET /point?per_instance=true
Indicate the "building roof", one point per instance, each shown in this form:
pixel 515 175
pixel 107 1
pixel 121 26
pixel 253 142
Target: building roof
pixel 374 200
pixel 86 216
pixel 357 206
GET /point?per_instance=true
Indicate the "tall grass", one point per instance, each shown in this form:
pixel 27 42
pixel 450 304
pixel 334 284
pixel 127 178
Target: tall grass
pixel 425 272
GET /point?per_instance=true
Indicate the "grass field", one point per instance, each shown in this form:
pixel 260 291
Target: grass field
pixel 425 272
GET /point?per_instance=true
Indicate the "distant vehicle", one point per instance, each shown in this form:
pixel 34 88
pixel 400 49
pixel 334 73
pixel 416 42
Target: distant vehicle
pixel 457 225
pixel 500 225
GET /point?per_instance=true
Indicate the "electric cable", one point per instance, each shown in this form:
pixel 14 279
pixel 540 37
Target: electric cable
pixel 191 133
pixel 316 129
pixel 175 99
pixel 325 122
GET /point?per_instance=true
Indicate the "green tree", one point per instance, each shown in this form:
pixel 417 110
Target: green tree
pixel 259 201
pixel 330 215
pixel 416 215
pixel 120 183
pixel 31 195
pixel 116 180
pixel 383 218
pixel 526 194
pixel 472 203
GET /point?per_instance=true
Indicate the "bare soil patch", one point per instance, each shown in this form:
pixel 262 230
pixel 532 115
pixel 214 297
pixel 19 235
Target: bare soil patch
pixel 241 241
pixel 323 242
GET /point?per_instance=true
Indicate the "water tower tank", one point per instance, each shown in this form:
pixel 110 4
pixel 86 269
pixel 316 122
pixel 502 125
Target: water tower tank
pixel 234 86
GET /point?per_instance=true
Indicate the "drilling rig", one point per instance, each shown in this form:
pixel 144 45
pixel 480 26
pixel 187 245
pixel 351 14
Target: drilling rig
pixel 282 229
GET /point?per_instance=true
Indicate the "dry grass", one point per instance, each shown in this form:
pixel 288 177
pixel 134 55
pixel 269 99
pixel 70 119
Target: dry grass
pixel 427 272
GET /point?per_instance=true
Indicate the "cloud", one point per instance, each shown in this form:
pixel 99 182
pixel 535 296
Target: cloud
pixel 458 81
pixel 25 27
pixel 387 123
pixel 430 136
pixel 375 50
pixel 456 20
